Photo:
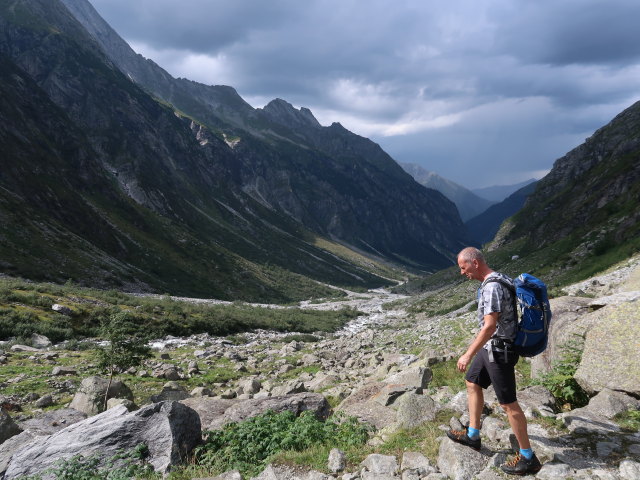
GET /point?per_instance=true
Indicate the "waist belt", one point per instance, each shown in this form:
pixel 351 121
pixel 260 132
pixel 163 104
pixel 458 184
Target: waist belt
pixel 499 345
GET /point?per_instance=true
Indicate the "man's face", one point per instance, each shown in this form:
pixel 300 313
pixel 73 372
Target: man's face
pixel 469 269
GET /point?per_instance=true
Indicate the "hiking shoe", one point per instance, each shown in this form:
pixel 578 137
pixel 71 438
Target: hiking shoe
pixel 460 436
pixel 519 465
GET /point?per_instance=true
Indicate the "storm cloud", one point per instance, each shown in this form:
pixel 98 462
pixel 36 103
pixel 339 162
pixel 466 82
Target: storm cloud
pixel 481 92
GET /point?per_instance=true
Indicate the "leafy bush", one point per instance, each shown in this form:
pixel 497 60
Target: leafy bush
pixel 560 379
pixel 123 466
pixel 247 446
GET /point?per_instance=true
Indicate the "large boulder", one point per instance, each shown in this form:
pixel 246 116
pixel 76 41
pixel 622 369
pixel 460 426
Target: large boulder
pixel 297 403
pixel 570 320
pixel 414 410
pixel 89 398
pixel 169 429
pixel 611 356
pixel 460 462
pixel 417 377
pixel 8 428
pixel 208 408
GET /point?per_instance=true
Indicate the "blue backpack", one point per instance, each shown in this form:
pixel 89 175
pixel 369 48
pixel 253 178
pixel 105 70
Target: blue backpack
pixel 530 296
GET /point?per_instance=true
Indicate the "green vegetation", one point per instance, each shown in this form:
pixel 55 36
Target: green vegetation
pixel 25 308
pixel 127 346
pixel 560 379
pixel 124 466
pixel 629 420
pixel 248 446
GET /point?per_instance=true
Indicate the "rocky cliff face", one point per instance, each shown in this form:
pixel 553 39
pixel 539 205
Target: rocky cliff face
pixel 587 206
pixel 333 181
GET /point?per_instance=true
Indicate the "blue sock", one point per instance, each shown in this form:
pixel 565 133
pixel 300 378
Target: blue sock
pixel 526 453
pixel 473 433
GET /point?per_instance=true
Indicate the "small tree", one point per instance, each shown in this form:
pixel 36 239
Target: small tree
pixel 127 346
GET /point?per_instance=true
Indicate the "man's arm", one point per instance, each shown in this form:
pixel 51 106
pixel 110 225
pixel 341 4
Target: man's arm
pixel 485 333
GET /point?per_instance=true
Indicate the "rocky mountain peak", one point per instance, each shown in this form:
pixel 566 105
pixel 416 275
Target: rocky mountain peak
pixel 282 112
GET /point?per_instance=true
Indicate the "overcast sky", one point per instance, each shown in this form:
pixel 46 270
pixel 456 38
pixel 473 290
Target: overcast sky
pixel 482 92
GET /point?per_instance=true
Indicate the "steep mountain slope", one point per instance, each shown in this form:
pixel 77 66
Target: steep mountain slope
pixel 469 204
pixel 102 184
pixel 484 227
pixel 585 213
pixel 333 181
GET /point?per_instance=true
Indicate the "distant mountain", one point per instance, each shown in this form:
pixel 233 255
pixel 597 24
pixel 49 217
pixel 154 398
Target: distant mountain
pixel 468 203
pixel 484 227
pixel 584 215
pixel 498 193
pixel 107 182
pixel 351 194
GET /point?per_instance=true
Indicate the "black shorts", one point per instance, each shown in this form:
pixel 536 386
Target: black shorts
pixel 500 374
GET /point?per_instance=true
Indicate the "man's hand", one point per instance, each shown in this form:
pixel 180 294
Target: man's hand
pixel 463 362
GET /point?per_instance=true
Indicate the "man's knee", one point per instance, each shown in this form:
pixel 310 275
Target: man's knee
pixel 512 408
pixel 473 387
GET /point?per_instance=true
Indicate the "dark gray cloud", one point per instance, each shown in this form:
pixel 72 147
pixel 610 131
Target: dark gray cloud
pixel 507 84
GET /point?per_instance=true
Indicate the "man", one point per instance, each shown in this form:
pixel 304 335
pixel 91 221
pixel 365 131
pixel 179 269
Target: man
pixel 490 360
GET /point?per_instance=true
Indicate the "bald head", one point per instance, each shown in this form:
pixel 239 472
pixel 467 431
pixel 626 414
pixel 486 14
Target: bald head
pixel 470 254
pixel 472 264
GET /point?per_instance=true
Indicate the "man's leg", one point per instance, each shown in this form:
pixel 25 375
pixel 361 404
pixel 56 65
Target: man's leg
pixel 475 399
pixel 518 423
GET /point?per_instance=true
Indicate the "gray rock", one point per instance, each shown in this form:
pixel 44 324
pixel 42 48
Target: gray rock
pixel 416 461
pixel 289 388
pixel 59 371
pixel 272 472
pixel 390 393
pixel 230 475
pixel 460 462
pixel 208 408
pixel 608 403
pixel 610 359
pixel 169 429
pixel 61 309
pixel 372 413
pixel 570 319
pixel 171 391
pixel 381 464
pixel 417 377
pixel 89 398
pixel 128 404
pixel 52 421
pixel 12 445
pixel 337 460
pixel 554 471
pixel 40 341
pixel 414 410
pixel 44 401
pixel 8 428
pixel 250 385
pixel 201 392
pixel 296 403
pixel 23 348
pixel 322 381
pixel 536 398
pixel 583 420
pixel 629 470
pixel 604 449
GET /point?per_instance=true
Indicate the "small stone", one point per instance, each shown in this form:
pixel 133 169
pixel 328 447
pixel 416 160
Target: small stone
pixel 44 401
pixel 337 460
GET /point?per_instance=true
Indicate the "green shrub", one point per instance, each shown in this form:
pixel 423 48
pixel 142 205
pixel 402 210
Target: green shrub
pixel 247 446
pixel 123 466
pixel 560 378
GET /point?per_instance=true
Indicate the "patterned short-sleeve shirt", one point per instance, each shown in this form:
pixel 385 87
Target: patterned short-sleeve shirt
pixel 495 297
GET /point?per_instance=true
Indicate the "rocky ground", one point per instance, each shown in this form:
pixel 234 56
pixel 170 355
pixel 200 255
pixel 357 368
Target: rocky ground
pixel 384 369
